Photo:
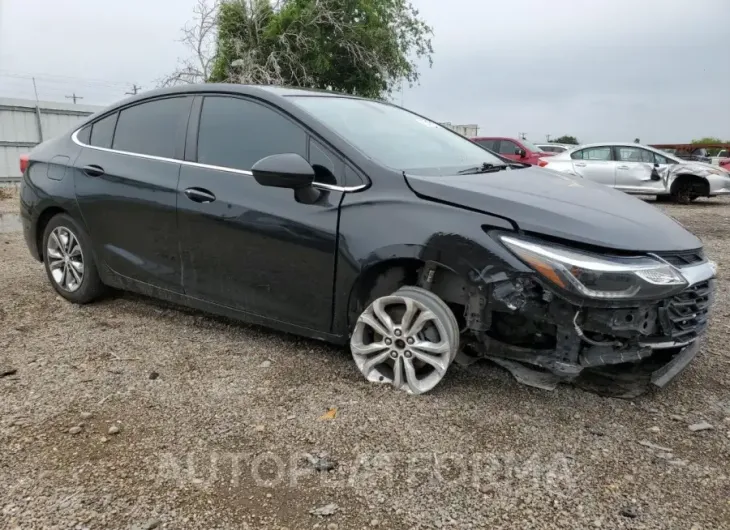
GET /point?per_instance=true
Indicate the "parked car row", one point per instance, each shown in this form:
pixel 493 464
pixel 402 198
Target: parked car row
pixel 629 167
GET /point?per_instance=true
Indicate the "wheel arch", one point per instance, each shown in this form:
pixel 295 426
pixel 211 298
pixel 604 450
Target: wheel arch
pixel 48 213
pixel 700 184
pixel 396 269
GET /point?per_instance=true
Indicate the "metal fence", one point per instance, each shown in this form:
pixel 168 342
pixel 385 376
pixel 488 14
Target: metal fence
pixel 26 123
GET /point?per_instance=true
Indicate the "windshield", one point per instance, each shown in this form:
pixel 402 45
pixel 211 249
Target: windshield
pixel 395 137
pixel 530 146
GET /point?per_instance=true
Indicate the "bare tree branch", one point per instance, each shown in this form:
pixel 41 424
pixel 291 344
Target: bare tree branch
pixel 199 38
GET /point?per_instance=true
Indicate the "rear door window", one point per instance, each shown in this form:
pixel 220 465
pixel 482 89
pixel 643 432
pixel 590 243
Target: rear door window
pixel 237 133
pixel 154 128
pixel 102 131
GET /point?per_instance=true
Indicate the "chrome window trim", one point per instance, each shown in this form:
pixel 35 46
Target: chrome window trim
pixel 329 187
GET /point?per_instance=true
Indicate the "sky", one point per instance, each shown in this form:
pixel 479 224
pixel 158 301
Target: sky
pixel 601 70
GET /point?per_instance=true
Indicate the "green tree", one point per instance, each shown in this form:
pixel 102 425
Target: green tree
pixel 713 151
pixel 566 139
pixel 363 47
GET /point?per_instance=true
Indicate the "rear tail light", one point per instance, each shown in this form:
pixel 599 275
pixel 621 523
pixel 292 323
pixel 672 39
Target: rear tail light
pixel 542 163
pixel 24 161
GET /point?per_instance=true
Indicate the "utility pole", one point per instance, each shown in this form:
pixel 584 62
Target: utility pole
pixel 547 138
pixel 522 136
pixel 134 91
pixel 74 97
pixel 39 122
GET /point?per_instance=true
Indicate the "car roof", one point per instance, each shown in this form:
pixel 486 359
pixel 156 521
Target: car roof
pixel 493 138
pixel 266 92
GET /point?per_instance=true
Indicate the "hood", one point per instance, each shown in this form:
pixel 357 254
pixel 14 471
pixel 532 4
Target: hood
pixel 562 206
pixel 700 169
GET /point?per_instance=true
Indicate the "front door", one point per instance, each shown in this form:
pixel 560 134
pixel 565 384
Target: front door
pixel 267 251
pixel 634 169
pixel 596 164
pixel 509 149
pixel 126 186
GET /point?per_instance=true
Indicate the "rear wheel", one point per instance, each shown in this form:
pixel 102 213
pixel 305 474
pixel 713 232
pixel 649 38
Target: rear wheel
pixel 69 262
pixel 407 339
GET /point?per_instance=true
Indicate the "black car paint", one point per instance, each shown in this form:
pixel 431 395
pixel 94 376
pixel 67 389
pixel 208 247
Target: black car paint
pixel 271 257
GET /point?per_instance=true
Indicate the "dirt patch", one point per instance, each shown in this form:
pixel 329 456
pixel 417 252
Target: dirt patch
pixel 9 199
pixel 215 421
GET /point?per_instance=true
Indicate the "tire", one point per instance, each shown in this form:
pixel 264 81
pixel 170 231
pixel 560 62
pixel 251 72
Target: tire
pixel 422 295
pixel 683 193
pixel 77 284
pixel 408 339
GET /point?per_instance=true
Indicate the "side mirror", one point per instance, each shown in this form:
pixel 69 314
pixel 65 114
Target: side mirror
pixel 286 170
pixel 520 152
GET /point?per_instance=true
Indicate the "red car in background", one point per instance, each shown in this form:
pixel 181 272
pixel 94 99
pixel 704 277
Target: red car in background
pixel 512 148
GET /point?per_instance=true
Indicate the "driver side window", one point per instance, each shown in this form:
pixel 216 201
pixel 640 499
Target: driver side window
pixel 507 148
pixel 236 133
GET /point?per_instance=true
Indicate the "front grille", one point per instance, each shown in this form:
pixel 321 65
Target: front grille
pixel 682 259
pixel 685 315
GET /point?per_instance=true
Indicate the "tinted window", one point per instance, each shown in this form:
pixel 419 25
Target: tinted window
pixel 395 137
pixel 594 153
pixel 323 164
pixel 84 135
pixel 489 144
pixel 153 128
pixel 237 133
pixel 507 148
pixel 102 131
pixel 635 154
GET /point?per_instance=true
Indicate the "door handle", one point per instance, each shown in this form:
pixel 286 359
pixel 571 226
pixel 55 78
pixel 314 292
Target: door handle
pixel 580 164
pixel 93 170
pixel 199 195
pixel 622 167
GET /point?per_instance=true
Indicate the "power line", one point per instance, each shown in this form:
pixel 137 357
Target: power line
pixel 74 97
pixel 134 91
pixel 64 78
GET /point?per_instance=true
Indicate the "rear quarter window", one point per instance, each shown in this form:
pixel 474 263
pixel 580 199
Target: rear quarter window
pixel 102 131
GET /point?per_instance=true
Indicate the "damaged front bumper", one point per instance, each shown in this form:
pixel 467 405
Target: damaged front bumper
pixel 621 349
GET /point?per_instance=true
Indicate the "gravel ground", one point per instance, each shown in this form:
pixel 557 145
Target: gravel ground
pixel 130 413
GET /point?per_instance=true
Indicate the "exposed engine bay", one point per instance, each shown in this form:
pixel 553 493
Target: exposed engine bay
pixel 615 349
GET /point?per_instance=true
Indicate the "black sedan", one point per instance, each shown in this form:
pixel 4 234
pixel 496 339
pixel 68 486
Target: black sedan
pixel 356 221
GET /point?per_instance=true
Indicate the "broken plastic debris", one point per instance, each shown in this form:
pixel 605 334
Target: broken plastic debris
pixel 326 510
pixel 331 414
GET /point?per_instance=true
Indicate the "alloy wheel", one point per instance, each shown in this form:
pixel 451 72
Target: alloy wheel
pixel 406 341
pixel 65 259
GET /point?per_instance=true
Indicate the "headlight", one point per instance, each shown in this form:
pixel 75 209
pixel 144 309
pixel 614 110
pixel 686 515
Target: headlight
pixel 601 277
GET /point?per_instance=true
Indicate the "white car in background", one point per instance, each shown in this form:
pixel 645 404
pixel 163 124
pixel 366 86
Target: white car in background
pixel 555 148
pixel 641 170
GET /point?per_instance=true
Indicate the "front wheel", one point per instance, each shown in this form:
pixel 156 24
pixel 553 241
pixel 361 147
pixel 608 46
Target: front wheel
pixel 69 261
pixel 407 339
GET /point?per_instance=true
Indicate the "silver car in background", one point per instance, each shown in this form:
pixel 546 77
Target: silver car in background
pixel 555 148
pixel 642 170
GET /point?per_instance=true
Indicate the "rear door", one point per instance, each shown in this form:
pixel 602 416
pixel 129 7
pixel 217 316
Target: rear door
pixel 263 250
pixel 596 164
pixel 126 187
pixel 635 167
